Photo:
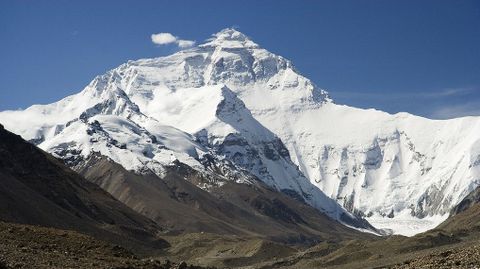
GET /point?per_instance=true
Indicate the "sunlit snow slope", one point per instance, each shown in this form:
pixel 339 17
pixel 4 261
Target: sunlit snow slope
pixel 252 112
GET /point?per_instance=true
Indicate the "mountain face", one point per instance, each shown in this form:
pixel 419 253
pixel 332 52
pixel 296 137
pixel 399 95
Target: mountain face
pixel 40 190
pixel 235 112
pixel 246 210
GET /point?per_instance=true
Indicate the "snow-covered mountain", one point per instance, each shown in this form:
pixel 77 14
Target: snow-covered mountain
pixel 230 107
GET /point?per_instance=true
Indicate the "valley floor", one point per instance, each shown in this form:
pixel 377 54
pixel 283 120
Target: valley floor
pixel 433 249
pixel 25 246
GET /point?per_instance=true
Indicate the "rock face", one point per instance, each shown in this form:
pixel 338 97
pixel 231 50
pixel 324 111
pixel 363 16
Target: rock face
pixel 471 200
pixel 229 107
pixel 464 217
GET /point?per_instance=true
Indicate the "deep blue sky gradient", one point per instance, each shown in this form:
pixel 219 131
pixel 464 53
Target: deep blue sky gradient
pixel 421 57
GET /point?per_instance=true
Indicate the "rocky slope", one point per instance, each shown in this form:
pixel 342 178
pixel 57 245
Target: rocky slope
pixel 38 189
pixel 245 210
pixel 232 105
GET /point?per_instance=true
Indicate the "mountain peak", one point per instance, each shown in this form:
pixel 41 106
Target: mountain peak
pixel 230 34
pixel 230 38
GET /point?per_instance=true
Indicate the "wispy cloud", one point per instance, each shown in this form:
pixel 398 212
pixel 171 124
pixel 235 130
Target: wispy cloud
pixel 455 111
pixel 185 43
pixel 444 103
pixel 168 38
pixel 397 95
pixel 450 92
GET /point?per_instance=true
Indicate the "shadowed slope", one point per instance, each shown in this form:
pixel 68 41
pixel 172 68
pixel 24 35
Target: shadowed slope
pixel 38 189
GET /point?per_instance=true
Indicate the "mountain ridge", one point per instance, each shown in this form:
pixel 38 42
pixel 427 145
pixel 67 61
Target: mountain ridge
pixel 391 172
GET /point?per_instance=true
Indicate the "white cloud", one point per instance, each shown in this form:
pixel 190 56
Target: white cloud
pixel 168 38
pixel 163 38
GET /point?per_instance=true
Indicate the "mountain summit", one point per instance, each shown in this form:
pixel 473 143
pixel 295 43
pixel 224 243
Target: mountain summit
pixel 231 39
pixel 230 109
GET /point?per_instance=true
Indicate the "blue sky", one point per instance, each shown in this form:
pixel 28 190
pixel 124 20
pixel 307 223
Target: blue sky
pixel 421 57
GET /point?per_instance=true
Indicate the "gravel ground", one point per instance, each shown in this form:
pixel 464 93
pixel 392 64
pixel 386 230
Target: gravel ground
pixel 23 246
pixel 467 257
